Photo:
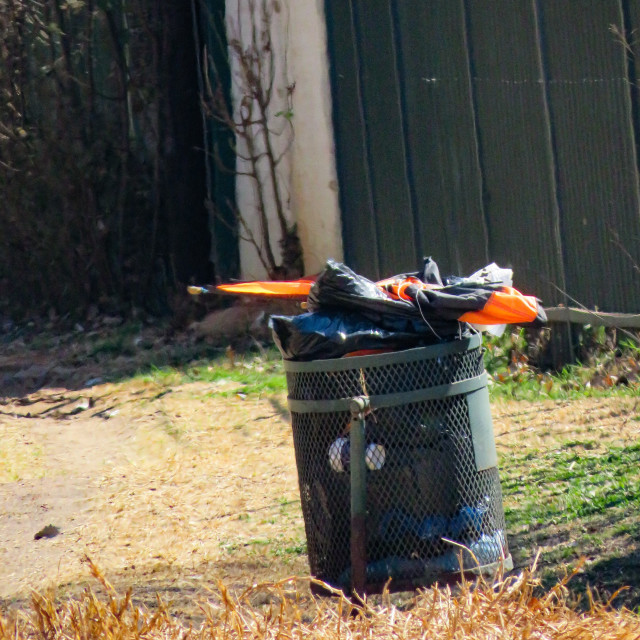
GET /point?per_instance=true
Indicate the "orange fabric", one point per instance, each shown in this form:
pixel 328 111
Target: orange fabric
pixel 299 289
pixel 295 289
pixel 402 290
pixel 507 306
pixel 396 287
pixel 366 352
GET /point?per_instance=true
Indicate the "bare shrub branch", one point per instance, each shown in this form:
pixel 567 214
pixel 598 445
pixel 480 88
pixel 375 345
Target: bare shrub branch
pixel 252 58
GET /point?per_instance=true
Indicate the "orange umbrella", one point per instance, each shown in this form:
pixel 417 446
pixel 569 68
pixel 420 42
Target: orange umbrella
pixel 495 305
pixel 290 290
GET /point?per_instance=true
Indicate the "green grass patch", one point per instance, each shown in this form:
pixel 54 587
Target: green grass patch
pixel 116 342
pixel 282 547
pixel 297 547
pixel 577 500
pixel 570 483
pixel 254 375
pixel 572 383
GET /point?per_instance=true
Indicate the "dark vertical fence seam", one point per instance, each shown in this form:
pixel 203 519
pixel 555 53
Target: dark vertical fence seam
pixel 362 109
pixel 335 118
pixel 396 40
pixel 206 142
pixel 562 344
pixel 552 150
pixel 473 100
pixel 627 28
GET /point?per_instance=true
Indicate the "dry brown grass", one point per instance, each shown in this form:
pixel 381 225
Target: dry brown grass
pixel 508 608
pixel 550 423
pixel 215 482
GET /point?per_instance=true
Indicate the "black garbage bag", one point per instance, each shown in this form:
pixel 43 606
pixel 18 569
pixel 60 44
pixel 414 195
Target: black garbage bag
pixel 349 312
pixel 333 334
pixel 338 287
pixel 450 302
pixel 441 304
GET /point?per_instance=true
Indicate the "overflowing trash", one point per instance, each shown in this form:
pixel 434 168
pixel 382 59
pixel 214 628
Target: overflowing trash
pixel 407 489
pixel 348 313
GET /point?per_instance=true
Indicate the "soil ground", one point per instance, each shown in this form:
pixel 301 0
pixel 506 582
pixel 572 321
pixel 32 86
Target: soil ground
pixel 171 487
pixel 173 492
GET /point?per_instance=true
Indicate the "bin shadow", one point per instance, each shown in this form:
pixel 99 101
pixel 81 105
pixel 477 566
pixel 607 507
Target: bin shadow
pixel 281 409
pixel 610 568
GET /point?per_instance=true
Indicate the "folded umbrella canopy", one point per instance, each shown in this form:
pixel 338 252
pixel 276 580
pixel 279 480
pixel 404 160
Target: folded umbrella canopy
pixel 480 303
pixel 289 290
pixel 349 313
pixel 416 295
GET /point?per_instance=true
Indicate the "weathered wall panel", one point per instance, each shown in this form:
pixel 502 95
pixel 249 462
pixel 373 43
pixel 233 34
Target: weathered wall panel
pixel 382 113
pixel 441 140
pixel 513 128
pixel 595 150
pixel 503 130
pixel 358 220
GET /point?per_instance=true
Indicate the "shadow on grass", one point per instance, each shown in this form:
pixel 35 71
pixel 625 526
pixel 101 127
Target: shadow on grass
pixel 281 409
pixel 608 575
pixel 612 563
pixel 77 362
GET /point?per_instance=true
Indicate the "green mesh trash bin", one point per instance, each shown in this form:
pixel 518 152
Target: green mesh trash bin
pixel 397 467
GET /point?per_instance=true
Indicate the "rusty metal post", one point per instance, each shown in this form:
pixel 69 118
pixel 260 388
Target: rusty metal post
pixel 359 407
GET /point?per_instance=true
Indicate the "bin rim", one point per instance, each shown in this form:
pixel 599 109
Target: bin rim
pixel 381 359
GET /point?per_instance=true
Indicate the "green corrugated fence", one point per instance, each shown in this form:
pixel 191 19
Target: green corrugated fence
pixel 506 131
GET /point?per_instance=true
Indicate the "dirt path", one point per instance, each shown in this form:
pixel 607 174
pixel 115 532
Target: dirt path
pixel 166 488
pixel 71 452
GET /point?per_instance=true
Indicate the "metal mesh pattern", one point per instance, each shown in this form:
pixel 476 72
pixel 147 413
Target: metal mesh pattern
pixel 384 379
pixel 422 481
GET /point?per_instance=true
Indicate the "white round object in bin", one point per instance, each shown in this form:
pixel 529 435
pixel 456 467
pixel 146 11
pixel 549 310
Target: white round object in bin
pixel 375 456
pixel 339 454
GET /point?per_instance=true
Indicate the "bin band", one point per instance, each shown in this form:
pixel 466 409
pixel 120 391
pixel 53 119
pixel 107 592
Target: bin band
pixel 392 399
